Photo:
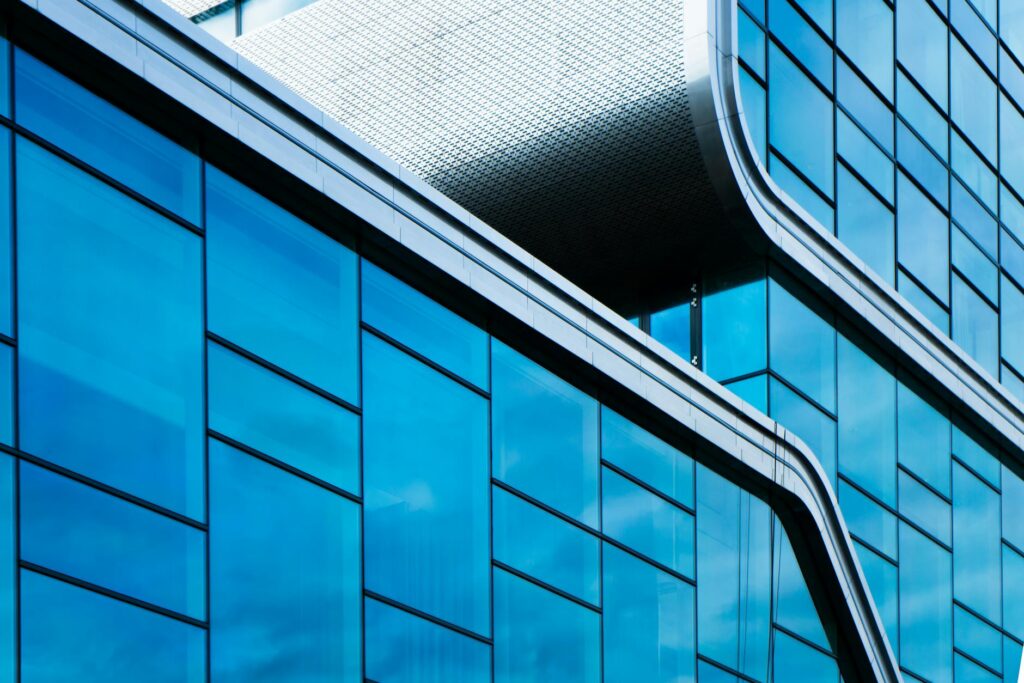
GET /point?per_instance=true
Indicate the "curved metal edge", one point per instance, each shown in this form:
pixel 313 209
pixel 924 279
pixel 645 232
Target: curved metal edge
pixel 175 57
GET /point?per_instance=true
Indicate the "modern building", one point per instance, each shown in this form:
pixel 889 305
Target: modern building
pixel 529 341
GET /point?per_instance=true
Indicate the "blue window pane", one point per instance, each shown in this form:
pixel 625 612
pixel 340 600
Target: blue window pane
pixel 820 11
pixel 671 327
pixel 753 44
pixel 966 671
pixel 426 488
pixel 868 520
pixel 72 634
pixel 974 265
pixel 865 106
pixel 922 46
pixel 646 457
pixel 975 326
pixel 813 427
pixel 402 648
pixel 753 390
pixel 923 247
pixel 801 39
pixel 972 100
pixel 1011 26
pixel 803 345
pixel 1012 381
pixel 1013 660
pixel 539 636
pixel 867 426
pixel 922 301
pixel 802 193
pixel 755 105
pixel 281 288
pixel 735 324
pixel 922 116
pixel 71 117
pixel 1011 76
pixel 975 219
pixel 1011 323
pixel 8 567
pixel 1011 212
pixel 6 281
pixel 922 164
pixel 5 76
pixel 926 606
pixel 865 157
pixel 7 394
pixel 125 375
pixel 796 661
pixel 648 623
pixel 537 543
pixel 707 673
pixel 792 606
pixel 864 33
pixel 866 226
pixel 924 437
pixel 277 417
pixel 1011 140
pixel 883 583
pixel 1013 507
pixel 921 506
pixel 976 638
pixel 398 310
pixel 755 7
pixel 974 172
pixel 975 455
pixel 1011 256
pixel 1013 596
pixel 800 120
pixel 545 435
pixel 90 535
pixel 733 575
pixel 284 581
pixel 974 31
pixel 646 523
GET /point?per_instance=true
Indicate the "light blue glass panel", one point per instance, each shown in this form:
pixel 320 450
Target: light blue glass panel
pixel 671 327
pixel 753 44
pixel 793 660
pixel 402 648
pixel 975 266
pixel 546 439
pixel 90 128
pixel 976 638
pixel 755 7
pixel 72 634
pixel 1011 76
pixel 90 535
pixel 801 39
pixel 980 458
pixel 280 288
pixel 966 671
pixel 922 164
pixel 975 33
pixel 802 345
pixel 7 361
pixel 974 172
pixel 820 12
pixel 1011 324
pixel 734 557
pixel 864 105
pixel 755 106
pixel 5 75
pixel 926 607
pixel 1012 255
pixel 972 100
pixel 867 422
pixel 922 301
pixel 792 605
pixel 865 156
pixel 6 265
pixel 284 575
pixel 928 511
pixel 864 33
pixel 753 390
pixel 1011 212
pixel 1013 660
pixel 646 523
pixel 1011 141
pixel 802 193
pixel 1013 507
pixel 922 116
pixel 1011 26
pixel 813 427
pixel 648 623
pixel 707 673
pixel 866 226
pixel 539 636
pixel 923 247
pixel 883 581
pixel 646 457
pixel 924 437
pixel 1013 596
pixel 1013 382
pixel 735 324
pixel 125 375
pixel 547 548
pixel 922 46
pixel 426 488
pixel 8 569
pixel 277 417
pixel 987 8
pixel 800 120
pixel 868 520
pixel 975 326
pixel 422 324
pixel 975 219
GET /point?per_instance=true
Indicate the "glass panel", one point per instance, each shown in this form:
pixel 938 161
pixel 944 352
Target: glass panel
pixel 650 525
pixel 282 419
pixel 926 610
pixel 925 509
pixel 1013 506
pixel 1011 25
pixel 802 345
pixel 126 376
pixel 923 117
pixel 978 457
pixel 923 239
pixel 426 488
pixel 975 266
pixel 545 435
pixel 539 636
pixel 922 46
pixel 882 580
pixel 865 156
pixel 6 271
pixel 735 325
pixel 1012 256
pixel 820 11
pixel 864 33
pixel 974 219
pixel 547 548
pixel 708 673
pixel 802 193
pixel 72 634
pixel 646 457
pixel 972 100
pixel 284 582
pixel 1011 140
pixel 975 326
pixel 922 301
pixel 1013 596
pixel 864 105
pixel 923 165
pixel 90 535
pixel 402 648
pixel 753 390
pixel 967 671
pixel 755 105
pixel 8 569
pixel 975 544
pixel 975 173
pixel 866 226
pixel 1013 660
pixel 1011 324
pixel 800 120
pixel 672 328
pixel 803 41
pixel 7 360
pixel 977 638
pixel 422 324
pixel 813 427
pixel 868 520
pixel 280 288
pixel 648 623
pixel 793 607
pixel 753 44
pixel 90 128
pixel 924 437
pixel 867 428
pixel 796 661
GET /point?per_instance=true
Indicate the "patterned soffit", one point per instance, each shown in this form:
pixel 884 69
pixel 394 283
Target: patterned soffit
pixel 190 8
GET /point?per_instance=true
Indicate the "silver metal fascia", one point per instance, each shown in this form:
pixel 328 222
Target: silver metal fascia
pixel 237 101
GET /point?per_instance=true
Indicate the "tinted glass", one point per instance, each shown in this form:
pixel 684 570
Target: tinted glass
pixel 977 454
pixel 923 507
pixel 922 115
pixel 1011 139
pixel 284 581
pixel 1011 324
pixel 646 457
pixel 280 288
pixel 866 226
pixel 921 46
pixel 978 639
pixel 793 660
pixel 864 33
pixel 8 569
pixel 882 580
pixel 924 438
pixel 972 100
pixel 813 427
pixel 125 375
pixel 1013 597
pixel 867 158
pixel 6 272
pixel 975 326
pixel 923 239
pixel 975 543
pixel 7 360
pixel 868 520
pixel 803 346
pixel 792 605
pixel 801 39
pixel 755 104
pixel 735 325
pixel 865 106
pixel 926 610
pixel 801 192
pixel 672 328
pixel 426 488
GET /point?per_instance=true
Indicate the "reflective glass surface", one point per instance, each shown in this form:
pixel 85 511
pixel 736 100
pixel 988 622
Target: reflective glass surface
pixel 8 572
pixel 926 612
pixel 646 457
pixel 735 327
pixel 802 345
pixel 976 544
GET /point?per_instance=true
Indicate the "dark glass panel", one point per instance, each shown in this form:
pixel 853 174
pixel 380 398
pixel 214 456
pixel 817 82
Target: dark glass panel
pixel 7 360
pixel 6 265
pixel 8 569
